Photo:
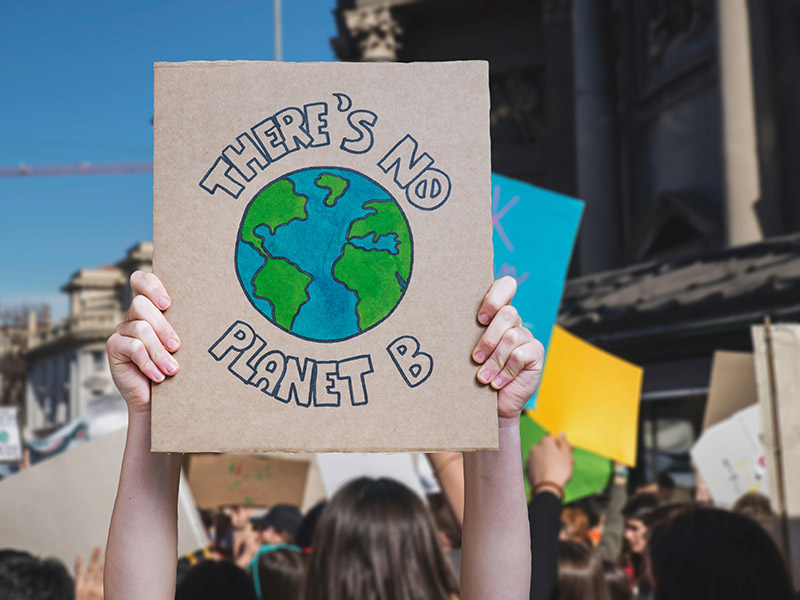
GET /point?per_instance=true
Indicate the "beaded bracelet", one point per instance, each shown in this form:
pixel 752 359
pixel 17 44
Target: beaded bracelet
pixel 553 486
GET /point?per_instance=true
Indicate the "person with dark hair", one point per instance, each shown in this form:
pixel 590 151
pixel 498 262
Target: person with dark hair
pixel 756 507
pixel 638 513
pixel 447 528
pixel 277 572
pixel 619 586
pixel 701 553
pixel 211 580
pixel 26 577
pixel 305 533
pixel 580 573
pixel 371 531
pixel 496 559
pixel 278 526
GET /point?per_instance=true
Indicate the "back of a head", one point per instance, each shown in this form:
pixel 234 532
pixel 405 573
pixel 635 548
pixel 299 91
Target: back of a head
pixel 640 506
pixel 619 586
pixel 215 580
pixel 701 553
pixel 756 507
pixel 580 573
pixel 376 539
pixel 26 577
pixel 280 574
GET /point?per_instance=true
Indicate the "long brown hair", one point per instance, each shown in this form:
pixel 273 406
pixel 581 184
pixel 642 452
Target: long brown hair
pixel 375 540
pixel 580 573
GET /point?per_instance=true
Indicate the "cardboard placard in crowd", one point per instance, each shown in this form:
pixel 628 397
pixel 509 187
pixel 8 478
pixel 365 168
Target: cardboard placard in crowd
pixel 62 506
pixel 531 223
pixel 247 479
pixel 325 234
pixel 777 360
pixel 732 386
pixel 10 438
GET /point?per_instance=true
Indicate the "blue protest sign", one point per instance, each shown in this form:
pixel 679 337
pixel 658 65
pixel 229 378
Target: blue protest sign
pixel 534 233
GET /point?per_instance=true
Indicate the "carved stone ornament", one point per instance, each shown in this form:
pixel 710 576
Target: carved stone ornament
pixel 670 21
pixel 376 32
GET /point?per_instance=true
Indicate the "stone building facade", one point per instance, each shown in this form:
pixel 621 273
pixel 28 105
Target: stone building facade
pixel 67 363
pixel 675 121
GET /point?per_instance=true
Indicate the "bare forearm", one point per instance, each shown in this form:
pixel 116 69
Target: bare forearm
pixel 449 471
pixel 496 557
pixel 143 537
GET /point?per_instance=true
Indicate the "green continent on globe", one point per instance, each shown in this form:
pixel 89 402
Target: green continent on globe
pixel 284 285
pixel 378 277
pixel 278 204
pixel 337 186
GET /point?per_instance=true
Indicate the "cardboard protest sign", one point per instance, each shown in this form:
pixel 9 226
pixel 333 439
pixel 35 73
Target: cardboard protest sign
pixel 10 438
pixel 62 506
pixel 531 224
pixel 246 479
pixel 730 457
pixel 590 395
pixel 324 231
pixel 590 473
pixel 776 350
pixel 732 386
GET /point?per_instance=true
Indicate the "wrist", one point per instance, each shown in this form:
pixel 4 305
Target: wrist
pixel 550 487
pixel 508 422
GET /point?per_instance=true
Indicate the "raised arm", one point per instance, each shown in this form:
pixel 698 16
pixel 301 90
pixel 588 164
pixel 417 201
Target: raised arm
pixel 496 552
pixel 143 538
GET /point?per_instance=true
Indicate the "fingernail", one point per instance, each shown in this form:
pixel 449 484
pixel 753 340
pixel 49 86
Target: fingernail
pixel 163 302
pixel 498 383
pixel 157 376
pixel 480 356
pixel 485 375
pixel 483 318
pixel 173 344
pixel 171 366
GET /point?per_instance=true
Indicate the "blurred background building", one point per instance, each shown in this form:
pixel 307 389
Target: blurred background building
pixel 675 121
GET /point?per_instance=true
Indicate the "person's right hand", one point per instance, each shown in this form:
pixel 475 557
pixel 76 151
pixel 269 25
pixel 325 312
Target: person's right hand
pixel 551 460
pixel 140 349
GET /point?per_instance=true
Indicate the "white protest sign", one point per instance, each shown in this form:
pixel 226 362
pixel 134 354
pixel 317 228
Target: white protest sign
pixel 338 469
pixel 730 457
pixel 10 439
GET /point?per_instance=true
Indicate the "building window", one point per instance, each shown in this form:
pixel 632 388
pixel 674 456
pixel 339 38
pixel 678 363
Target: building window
pixel 99 360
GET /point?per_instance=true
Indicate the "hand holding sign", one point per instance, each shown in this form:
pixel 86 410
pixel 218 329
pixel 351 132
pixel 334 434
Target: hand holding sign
pixel 511 357
pixel 137 351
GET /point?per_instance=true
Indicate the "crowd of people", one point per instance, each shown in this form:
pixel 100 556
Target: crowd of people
pixel 375 539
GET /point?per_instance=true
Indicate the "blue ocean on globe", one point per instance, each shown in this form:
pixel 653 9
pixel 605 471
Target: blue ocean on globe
pixel 313 245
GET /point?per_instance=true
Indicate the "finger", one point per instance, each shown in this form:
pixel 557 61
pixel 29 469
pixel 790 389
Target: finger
pixel 506 318
pixel 144 331
pixel 78 567
pixel 91 571
pixel 123 349
pixel 500 294
pixel 143 309
pixel 149 285
pixel 508 358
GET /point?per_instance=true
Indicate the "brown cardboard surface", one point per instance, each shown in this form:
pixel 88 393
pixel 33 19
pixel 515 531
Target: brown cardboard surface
pixel 420 133
pixel 246 479
pixel 732 386
pixel 62 506
pixel 777 385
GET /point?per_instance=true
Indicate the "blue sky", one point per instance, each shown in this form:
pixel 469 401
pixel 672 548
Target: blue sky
pixel 77 86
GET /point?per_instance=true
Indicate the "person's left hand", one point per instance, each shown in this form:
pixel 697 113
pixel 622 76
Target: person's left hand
pixel 89 583
pixel 511 358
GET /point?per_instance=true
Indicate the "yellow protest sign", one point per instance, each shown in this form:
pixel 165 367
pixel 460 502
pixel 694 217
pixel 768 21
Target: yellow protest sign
pixel 591 395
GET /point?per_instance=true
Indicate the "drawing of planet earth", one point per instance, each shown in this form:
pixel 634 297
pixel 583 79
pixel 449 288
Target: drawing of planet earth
pixel 324 253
